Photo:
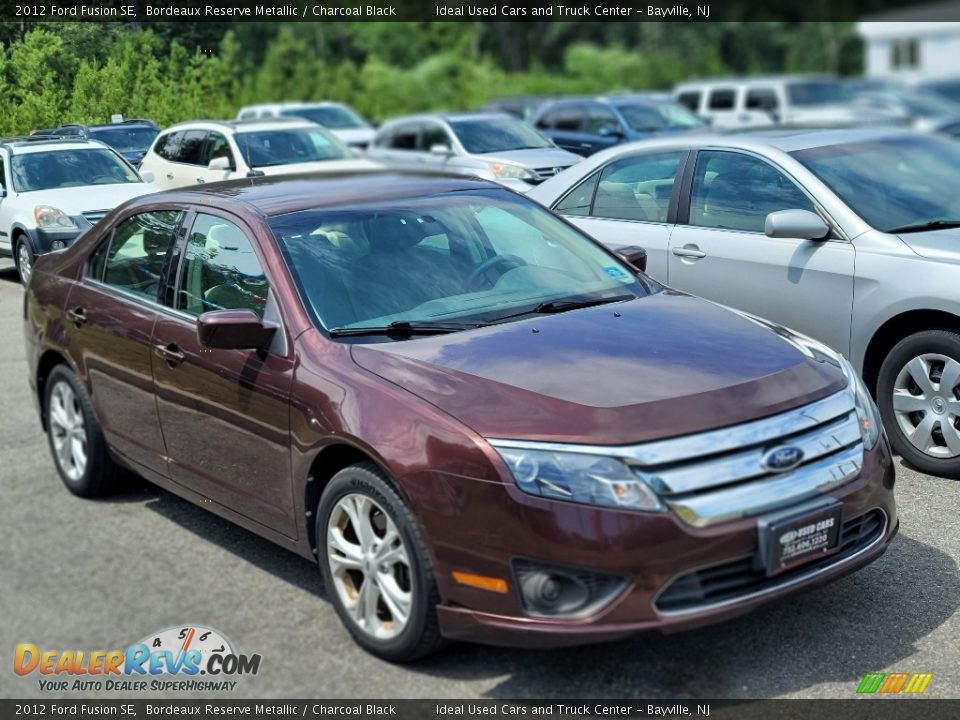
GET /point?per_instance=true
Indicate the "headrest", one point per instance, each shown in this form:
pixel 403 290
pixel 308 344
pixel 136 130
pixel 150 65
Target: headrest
pixel 395 233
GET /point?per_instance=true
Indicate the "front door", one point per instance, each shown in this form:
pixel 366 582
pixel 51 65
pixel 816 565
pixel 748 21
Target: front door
pixel 225 413
pixel 721 252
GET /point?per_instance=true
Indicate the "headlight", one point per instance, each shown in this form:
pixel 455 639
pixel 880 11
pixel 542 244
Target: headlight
pixel 511 172
pixel 866 409
pixel 577 477
pixel 51 217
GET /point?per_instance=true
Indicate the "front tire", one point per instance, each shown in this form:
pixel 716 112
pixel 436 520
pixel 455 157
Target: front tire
pixel 76 440
pixel 25 257
pixel 918 393
pixel 375 566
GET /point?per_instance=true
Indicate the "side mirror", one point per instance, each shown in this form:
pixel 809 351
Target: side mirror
pixel 220 163
pixel 801 224
pixel 147 176
pixel 634 256
pixel 233 330
pixel 440 149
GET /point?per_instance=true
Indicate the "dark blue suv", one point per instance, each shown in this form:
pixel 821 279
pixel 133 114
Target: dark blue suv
pixel 587 125
pixel 130 138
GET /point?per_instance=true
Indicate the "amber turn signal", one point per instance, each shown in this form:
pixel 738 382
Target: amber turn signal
pixel 482 582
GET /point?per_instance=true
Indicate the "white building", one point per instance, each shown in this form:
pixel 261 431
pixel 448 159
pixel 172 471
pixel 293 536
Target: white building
pixel 913 42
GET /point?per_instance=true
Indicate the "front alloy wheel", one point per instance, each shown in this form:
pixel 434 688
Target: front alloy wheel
pixel 919 393
pixel 24 261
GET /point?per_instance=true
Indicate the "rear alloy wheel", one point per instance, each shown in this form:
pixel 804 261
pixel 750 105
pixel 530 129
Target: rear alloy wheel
pixel 76 441
pixel 375 566
pixel 24 260
pixel 919 393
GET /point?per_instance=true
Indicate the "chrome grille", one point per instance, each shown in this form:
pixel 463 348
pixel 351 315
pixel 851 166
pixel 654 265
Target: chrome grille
pixel 720 475
pixel 733 580
pixel 549 171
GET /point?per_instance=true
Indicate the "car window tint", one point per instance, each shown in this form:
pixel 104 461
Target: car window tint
pixel 220 271
pixel 134 256
pixel 568 119
pixel 762 99
pixel 637 187
pixel 690 99
pixel 722 99
pixel 190 150
pixel 580 199
pixel 433 134
pixel 736 192
pixel 405 137
pixel 217 146
pixel 3 173
pixel 168 145
pixel 600 121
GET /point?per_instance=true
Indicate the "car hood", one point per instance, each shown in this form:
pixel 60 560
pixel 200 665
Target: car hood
pixel 935 244
pixel 665 365
pixel 83 198
pixel 355 136
pixel 533 158
pixel 321 166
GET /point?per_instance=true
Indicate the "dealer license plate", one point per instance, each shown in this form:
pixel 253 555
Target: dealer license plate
pixel 800 539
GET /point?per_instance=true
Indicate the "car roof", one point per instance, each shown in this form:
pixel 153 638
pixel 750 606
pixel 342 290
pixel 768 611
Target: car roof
pixel 271 123
pixel 452 116
pixel 292 104
pixel 38 143
pixel 281 194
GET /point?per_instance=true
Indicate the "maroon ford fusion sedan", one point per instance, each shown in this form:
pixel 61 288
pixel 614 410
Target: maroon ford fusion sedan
pixel 482 423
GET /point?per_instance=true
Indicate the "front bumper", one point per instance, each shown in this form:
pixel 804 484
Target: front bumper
pixel 650 550
pixel 45 240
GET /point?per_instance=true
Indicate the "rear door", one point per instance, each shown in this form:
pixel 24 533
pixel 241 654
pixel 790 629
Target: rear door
pixel 721 106
pixel 563 123
pixel 718 249
pixel 113 312
pixel 630 201
pixel 400 150
pixel 225 413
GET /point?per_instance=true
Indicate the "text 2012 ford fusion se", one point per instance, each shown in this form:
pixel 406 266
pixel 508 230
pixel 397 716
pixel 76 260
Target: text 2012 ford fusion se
pixel 483 424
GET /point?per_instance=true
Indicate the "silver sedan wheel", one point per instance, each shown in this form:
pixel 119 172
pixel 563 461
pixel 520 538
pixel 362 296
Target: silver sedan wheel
pixel 370 566
pixel 24 263
pixel 68 431
pixel 926 404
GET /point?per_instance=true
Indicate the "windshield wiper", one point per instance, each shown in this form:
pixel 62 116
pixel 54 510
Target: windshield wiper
pixel 402 328
pixel 558 306
pixel 930 225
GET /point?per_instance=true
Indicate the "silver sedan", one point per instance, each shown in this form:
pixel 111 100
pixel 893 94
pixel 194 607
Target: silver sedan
pixel 850 236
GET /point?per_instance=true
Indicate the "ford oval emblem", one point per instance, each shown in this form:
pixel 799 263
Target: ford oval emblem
pixel 782 458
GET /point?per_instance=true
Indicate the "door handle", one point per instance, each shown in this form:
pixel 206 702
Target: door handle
pixel 78 316
pixel 688 252
pixel 171 354
pixel 169 176
pixel 200 181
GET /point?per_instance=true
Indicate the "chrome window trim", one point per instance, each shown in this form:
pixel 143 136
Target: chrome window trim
pixel 788 583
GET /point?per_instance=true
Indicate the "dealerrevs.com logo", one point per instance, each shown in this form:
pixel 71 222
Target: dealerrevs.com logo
pixel 188 658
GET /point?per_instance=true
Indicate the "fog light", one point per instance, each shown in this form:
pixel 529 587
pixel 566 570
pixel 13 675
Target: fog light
pixel 57 245
pixel 563 592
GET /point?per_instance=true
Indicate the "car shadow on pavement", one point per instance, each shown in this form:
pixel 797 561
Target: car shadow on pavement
pixel 867 621
pixel 8 272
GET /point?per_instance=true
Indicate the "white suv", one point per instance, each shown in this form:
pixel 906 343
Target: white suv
pixel 203 151
pixel 55 189
pixel 342 120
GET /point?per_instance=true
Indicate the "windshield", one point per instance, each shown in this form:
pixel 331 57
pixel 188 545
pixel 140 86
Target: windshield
pixel 929 105
pixel 818 92
pixel 335 117
pixel 895 182
pixel 285 146
pixel 499 135
pixel 464 257
pixel 660 116
pixel 949 89
pixel 126 139
pixel 69 168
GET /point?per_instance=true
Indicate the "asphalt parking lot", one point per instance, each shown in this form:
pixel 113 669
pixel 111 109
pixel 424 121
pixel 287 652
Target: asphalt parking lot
pixel 78 574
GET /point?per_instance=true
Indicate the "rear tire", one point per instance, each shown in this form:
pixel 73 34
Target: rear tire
pixel 918 394
pixel 375 565
pixel 76 440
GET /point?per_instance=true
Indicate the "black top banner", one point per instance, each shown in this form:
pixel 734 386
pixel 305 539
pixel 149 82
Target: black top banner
pixel 152 11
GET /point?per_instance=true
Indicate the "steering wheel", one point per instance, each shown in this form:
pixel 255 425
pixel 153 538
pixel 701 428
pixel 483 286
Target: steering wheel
pixel 513 260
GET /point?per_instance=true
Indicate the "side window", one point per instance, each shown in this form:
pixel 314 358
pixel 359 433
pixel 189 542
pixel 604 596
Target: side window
pixel 405 137
pixel 722 99
pixel 134 256
pixel 190 150
pixel 433 134
pixel 168 145
pixel 600 121
pixel 580 199
pixel 569 119
pixel 736 192
pixel 3 173
pixel 217 146
pixel 637 187
pixel 691 99
pixel 220 270
pixel 761 99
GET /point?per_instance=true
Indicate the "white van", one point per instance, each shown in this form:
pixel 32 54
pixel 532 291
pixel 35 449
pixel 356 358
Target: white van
pixel 806 100
pixel 342 120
